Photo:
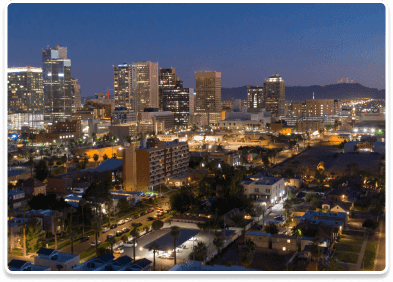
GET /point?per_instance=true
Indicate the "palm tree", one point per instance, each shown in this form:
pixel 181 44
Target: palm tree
pixel 96 158
pixel 24 209
pixel 56 215
pixel 333 265
pixel 73 236
pixel 82 203
pixel 154 247
pixel 110 203
pixel 247 253
pixel 175 233
pixel 315 250
pixel 105 157
pixel 10 215
pixel 70 211
pixel 218 242
pixel 200 252
pixel 112 241
pixel 96 225
pixel 134 233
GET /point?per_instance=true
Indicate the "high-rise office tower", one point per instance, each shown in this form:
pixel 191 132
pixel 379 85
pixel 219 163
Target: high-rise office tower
pixel 208 92
pixel 274 92
pixel 179 101
pixel 125 84
pixel 167 78
pixel 255 97
pixel 57 84
pixel 147 85
pixel 25 90
pixel 76 95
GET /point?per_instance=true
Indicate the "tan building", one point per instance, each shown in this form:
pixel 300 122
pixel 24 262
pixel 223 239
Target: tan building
pixel 296 109
pixel 147 85
pixel 33 186
pixel 147 167
pixel 284 242
pixel 208 92
pixel 274 94
pixel 319 107
pixel 308 126
pixel 260 239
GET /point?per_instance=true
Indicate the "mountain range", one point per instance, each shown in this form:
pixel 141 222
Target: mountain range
pixel 301 93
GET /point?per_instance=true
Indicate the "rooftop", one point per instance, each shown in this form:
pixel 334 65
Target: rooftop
pixel 198 266
pixel 110 165
pixel 255 233
pixel 165 242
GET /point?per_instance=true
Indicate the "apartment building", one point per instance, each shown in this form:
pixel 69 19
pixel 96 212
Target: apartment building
pixel 320 107
pixel 157 161
pixel 267 189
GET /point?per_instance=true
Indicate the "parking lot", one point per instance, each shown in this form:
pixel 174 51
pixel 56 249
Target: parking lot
pixel 162 237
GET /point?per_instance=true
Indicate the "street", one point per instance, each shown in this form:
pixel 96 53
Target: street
pixel 380 257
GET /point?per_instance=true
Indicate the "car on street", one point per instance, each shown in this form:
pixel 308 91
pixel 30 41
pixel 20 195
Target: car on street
pixel 163 256
pixel 125 230
pixel 120 222
pixel 128 219
pixel 193 239
pixel 84 239
pixel 109 236
pixel 119 232
pixel 105 230
pixel 118 251
pixel 113 226
pixel 130 244
pixel 93 244
pixel 136 216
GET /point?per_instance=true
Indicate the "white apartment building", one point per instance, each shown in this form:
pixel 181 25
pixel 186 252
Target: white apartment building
pixel 267 189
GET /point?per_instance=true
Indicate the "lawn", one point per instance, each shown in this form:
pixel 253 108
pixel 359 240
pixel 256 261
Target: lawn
pixel 352 241
pixel 341 247
pixel 347 257
pixel 369 254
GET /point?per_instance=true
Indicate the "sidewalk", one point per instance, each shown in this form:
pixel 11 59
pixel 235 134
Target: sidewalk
pixel 361 254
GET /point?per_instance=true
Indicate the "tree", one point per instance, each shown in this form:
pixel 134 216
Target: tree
pixel 112 241
pixel 56 216
pixel 370 224
pixel 199 253
pixel 157 224
pixel 287 206
pixel 341 146
pixel 24 209
pixel 218 241
pixel 50 164
pixel 320 176
pixel 271 228
pixel 96 158
pixel 41 171
pixel 238 219
pixel 334 265
pixel 109 201
pixel 175 233
pixel 315 250
pixel 247 252
pixel 32 235
pixel 96 226
pixel 123 205
pixel 154 247
pixel 134 233
pixel 105 157
pixel 73 236
pixel 182 200
pixel 82 204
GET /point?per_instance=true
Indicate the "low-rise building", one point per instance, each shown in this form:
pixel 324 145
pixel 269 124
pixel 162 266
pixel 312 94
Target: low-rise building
pixel 270 188
pixel 33 187
pixel 22 265
pixel 56 260
pixel 284 242
pixel 16 199
pixel 16 226
pixel 260 239
pixel 18 173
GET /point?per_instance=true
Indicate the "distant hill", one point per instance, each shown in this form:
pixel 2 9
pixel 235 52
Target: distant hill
pixel 301 93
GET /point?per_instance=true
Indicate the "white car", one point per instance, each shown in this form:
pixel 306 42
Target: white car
pixel 128 219
pixel 105 230
pixel 121 222
pixel 193 239
pixel 93 244
pixel 164 256
pixel 130 244
pixel 118 251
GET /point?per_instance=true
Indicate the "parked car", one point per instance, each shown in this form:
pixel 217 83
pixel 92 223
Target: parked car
pixel 113 226
pixel 128 219
pixel 125 230
pixel 119 232
pixel 136 216
pixel 109 236
pixel 118 251
pixel 84 239
pixel 121 222
pixel 150 218
pixel 105 230
pixel 130 244
pixel 163 255
pixel 93 244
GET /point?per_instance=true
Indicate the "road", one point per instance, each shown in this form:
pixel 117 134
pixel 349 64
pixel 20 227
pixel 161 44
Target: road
pixel 81 247
pixel 380 257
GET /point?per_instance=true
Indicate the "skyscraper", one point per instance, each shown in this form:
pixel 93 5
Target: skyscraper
pixel 25 90
pixel 179 101
pixel 57 84
pixel 274 92
pixel 255 98
pixel 147 85
pixel 208 92
pixel 76 94
pixel 125 83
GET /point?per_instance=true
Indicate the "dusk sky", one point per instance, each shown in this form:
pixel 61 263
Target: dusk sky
pixel 307 44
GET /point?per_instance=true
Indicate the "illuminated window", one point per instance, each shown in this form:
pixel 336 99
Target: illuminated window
pixel 288 241
pixel 284 249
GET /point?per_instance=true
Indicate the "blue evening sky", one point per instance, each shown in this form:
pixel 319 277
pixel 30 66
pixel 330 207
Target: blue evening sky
pixel 307 44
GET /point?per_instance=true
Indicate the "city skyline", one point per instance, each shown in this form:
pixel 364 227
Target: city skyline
pixel 310 44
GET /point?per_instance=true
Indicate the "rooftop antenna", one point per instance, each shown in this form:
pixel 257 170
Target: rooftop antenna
pixel 313 95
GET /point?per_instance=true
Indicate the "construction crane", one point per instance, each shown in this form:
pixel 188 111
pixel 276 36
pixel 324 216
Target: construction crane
pixel 107 91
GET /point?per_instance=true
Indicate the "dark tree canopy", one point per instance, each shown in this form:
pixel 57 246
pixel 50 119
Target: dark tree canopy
pixel 41 170
pixel 49 201
pixel 123 205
